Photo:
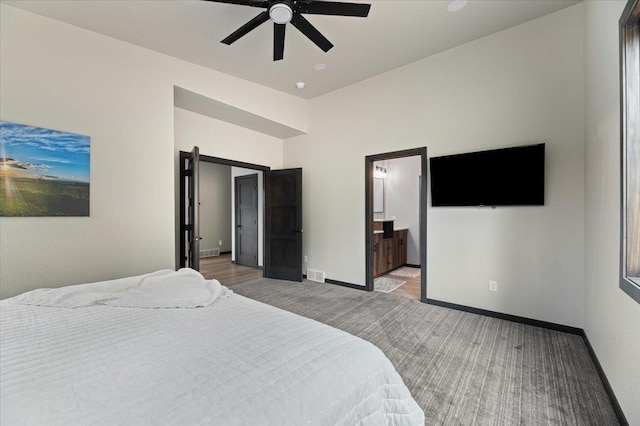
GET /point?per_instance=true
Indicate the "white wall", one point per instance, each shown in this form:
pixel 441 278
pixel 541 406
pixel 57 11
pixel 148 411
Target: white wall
pixel 516 87
pixel 62 77
pixel 215 206
pixel 219 139
pixel 402 200
pixel 611 317
pixel 236 172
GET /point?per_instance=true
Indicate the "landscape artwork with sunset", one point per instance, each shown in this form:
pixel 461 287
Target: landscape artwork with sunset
pixel 43 172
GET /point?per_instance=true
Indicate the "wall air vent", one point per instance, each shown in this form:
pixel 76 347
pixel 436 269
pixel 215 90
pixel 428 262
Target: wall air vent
pixel 315 275
pixel 210 252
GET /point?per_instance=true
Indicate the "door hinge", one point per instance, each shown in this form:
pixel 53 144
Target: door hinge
pixel 187 173
pixel 188 227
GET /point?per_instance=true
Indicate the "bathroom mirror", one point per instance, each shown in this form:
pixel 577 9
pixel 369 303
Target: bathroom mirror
pixel 378 195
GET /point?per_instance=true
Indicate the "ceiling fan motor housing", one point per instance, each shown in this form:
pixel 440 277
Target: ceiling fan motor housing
pixel 281 12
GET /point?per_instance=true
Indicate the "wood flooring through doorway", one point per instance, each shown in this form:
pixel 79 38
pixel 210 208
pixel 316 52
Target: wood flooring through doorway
pixel 409 289
pixel 229 274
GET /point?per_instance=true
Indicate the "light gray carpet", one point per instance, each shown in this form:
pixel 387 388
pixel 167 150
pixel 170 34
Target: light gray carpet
pixel 462 368
pixel 386 285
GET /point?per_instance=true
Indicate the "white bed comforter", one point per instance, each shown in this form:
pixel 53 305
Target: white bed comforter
pixel 233 362
pixel 166 288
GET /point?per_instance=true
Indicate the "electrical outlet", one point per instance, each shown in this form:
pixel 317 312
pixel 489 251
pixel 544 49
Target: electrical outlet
pixel 306 259
pixel 493 285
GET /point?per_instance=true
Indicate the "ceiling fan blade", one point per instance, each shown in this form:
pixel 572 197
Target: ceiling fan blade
pixel 252 3
pixel 278 41
pixel 311 32
pixel 249 26
pixel 334 8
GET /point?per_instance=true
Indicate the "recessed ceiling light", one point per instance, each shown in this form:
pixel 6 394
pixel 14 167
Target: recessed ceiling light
pixel 300 85
pixel 456 5
pixel 320 67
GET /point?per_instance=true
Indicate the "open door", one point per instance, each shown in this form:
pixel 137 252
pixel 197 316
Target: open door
pixel 283 227
pixel 190 209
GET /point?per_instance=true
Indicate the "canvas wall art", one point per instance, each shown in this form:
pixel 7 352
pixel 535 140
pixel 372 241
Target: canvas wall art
pixel 43 172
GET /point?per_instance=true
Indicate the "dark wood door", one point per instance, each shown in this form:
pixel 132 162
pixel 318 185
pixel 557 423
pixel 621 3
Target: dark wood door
pixel 190 209
pixel 246 203
pixel 283 228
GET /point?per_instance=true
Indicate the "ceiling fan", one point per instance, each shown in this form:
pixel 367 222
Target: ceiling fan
pixel 282 12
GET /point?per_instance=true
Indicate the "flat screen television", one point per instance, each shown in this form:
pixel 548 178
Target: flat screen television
pixel 499 177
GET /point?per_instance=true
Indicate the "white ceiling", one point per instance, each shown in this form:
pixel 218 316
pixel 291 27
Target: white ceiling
pixel 397 32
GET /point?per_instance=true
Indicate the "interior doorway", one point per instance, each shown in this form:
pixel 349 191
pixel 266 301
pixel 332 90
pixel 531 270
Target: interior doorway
pixel 208 217
pixel 215 212
pixel 279 201
pixel 246 220
pixel 396 247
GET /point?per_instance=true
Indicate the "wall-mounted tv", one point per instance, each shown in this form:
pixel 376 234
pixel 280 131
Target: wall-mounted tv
pixel 499 177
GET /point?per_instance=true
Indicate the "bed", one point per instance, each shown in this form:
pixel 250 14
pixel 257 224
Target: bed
pixel 172 348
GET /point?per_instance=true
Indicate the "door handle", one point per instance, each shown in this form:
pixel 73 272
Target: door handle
pixel 299 231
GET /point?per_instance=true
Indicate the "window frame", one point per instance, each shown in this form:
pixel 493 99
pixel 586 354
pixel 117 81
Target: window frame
pixel 628 24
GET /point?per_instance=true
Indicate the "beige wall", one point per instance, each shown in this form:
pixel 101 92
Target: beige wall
pixel 62 77
pixel 216 138
pixel 520 86
pixel 612 318
pixel 215 206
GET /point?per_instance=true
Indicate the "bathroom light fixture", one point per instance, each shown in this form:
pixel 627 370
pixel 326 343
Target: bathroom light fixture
pixel 300 85
pixel 380 172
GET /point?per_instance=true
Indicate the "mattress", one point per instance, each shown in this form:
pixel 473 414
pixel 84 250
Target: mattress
pixel 234 361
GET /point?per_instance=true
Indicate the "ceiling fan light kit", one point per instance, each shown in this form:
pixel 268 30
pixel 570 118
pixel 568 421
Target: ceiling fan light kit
pixel 282 12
